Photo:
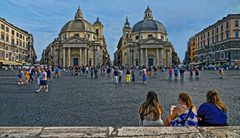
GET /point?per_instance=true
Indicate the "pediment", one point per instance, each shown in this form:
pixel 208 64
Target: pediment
pixel 152 40
pixel 75 39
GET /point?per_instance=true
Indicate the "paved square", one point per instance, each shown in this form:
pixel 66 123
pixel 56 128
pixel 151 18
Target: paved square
pixel 81 101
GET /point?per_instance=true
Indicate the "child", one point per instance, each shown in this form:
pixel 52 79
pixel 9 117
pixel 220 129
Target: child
pixel 20 75
pixel 27 76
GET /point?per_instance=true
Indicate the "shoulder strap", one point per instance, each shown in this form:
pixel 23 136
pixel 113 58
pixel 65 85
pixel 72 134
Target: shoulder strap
pixel 190 110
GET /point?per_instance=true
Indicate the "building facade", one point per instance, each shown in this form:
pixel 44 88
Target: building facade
pixel 79 43
pixel 146 44
pixel 16 45
pixel 190 54
pixel 219 43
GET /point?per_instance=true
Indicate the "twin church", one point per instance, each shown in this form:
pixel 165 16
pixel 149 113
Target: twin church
pixel 82 43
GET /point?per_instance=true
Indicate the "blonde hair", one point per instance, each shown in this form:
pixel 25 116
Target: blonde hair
pixel 212 97
pixel 186 98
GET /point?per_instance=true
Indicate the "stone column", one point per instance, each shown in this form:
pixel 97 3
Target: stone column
pixel 146 56
pixel 80 56
pixel 69 56
pixel 161 56
pixel 170 57
pixel 157 57
pixel 141 56
pixel 64 57
pixel 85 56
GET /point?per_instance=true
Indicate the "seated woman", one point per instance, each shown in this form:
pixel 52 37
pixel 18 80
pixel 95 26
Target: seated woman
pixel 185 114
pixel 151 111
pixel 213 112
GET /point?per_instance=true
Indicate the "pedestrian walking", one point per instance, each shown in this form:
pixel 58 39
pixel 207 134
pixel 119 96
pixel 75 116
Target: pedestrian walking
pixel 115 73
pixel 27 76
pixel 197 73
pixel 182 73
pixel 91 72
pixel 120 73
pixel 191 73
pixel 176 73
pixel 43 81
pixel 221 73
pixel 127 77
pixel 170 72
pixel 48 71
pixel 20 77
pixel 133 75
pixel 96 72
pixel 144 76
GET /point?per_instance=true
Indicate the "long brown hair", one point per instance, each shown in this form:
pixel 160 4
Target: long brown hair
pixel 212 97
pixel 186 98
pixel 151 102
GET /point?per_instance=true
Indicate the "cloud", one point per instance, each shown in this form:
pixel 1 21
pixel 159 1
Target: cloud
pixel 45 18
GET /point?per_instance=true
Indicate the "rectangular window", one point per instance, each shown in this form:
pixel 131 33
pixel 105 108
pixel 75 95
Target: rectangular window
pixel 208 34
pixel 216 30
pixel 2 26
pixel 227 25
pixel 2 36
pixel 236 23
pixel 17 34
pixel 13 42
pixel 7 29
pixel 222 27
pixel 216 38
pixel 236 34
pixel 6 55
pixel 221 36
pixel 212 31
pixel 212 40
pixel 13 32
pixel 7 38
pixel 137 37
pixel 17 42
pixel 20 36
pixel 227 35
pixel 76 35
pixel 150 35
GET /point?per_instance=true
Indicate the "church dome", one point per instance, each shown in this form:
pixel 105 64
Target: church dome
pixel 148 24
pixel 78 24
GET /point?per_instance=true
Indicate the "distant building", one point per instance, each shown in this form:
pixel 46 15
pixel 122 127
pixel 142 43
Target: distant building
pixel 219 43
pixel 79 43
pixel 146 44
pixel 190 54
pixel 16 45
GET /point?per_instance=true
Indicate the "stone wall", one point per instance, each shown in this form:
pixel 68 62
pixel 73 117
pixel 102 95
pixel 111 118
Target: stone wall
pixel 168 132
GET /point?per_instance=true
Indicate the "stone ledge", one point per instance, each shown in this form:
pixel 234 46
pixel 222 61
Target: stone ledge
pixel 166 132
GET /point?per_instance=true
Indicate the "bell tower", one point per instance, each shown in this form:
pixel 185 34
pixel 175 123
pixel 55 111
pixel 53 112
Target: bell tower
pixel 148 13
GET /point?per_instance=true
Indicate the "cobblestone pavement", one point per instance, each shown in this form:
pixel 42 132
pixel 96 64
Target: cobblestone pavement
pixel 81 101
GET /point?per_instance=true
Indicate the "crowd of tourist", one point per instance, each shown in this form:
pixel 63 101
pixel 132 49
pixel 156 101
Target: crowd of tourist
pixel 38 74
pixel 211 113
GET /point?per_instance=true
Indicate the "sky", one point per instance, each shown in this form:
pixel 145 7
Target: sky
pixel 182 18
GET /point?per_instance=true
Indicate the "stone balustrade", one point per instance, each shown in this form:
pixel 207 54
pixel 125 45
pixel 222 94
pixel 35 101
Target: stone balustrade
pixel 168 132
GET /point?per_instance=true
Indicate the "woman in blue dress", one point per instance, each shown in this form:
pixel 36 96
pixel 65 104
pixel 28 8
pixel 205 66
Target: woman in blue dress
pixel 184 114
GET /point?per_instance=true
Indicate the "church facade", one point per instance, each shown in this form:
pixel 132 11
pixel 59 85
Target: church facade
pixel 79 43
pixel 146 44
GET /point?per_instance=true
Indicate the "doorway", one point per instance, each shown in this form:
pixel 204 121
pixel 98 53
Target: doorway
pixel 75 61
pixel 150 62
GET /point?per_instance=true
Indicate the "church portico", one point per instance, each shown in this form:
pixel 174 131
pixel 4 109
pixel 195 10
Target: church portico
pixel 147 43
pixel 80 43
